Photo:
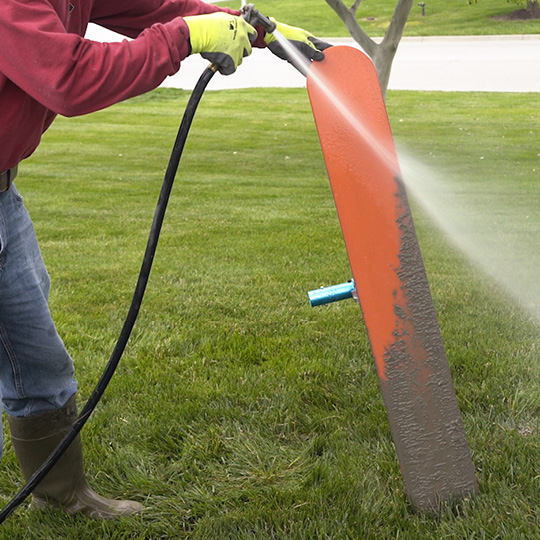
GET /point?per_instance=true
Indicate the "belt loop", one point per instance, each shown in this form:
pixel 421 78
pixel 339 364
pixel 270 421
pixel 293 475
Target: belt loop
pixel 7 178
pixel 13 174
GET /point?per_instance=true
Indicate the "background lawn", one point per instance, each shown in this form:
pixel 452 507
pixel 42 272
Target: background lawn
pixel 239 411
pixel 442 17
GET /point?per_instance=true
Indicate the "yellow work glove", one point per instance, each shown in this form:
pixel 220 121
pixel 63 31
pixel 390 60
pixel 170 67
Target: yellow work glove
pixel 221 38
pixel 306 45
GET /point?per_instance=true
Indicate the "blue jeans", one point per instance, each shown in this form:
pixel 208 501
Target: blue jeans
pixel 36 371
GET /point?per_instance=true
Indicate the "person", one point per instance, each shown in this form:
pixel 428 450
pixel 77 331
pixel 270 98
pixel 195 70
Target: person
pixel 47 68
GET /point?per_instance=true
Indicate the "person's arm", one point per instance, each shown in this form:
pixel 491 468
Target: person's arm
pixel 130 17
pixel 73 76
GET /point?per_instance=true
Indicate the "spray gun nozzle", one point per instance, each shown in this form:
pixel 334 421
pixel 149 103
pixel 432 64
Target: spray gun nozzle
pixel 254 17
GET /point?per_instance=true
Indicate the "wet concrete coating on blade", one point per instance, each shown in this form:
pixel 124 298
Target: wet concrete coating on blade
pixel 418 390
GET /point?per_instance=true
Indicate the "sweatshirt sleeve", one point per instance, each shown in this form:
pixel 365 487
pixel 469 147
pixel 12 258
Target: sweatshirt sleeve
pixel 130 17
pixel 43 53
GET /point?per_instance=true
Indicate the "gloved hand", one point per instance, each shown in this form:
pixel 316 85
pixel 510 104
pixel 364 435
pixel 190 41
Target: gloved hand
pixel 221 38
pixel 307 45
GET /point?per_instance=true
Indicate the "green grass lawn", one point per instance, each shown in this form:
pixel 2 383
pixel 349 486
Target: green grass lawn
pixel 239 412
pixel 442 17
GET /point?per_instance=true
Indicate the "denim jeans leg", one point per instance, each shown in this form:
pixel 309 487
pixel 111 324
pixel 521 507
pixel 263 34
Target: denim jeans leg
pixel 36 371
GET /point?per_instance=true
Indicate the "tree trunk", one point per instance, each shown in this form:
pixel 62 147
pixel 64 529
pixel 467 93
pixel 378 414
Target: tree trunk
pixel 533 7
pixel 383 53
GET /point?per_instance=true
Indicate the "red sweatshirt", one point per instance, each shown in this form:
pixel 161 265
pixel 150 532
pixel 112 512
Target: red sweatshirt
pixel 48 68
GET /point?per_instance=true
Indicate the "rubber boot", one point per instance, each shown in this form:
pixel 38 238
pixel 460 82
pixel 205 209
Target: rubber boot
pixel 65 485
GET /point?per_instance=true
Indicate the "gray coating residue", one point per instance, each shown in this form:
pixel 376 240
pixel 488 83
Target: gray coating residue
pixel 419 393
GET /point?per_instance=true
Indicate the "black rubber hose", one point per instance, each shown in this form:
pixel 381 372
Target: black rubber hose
pixel 136 302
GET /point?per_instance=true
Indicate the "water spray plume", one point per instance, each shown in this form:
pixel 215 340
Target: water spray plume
pixel 494 231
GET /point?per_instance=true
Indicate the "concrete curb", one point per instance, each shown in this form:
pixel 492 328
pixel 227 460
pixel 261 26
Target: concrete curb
pixel 442 39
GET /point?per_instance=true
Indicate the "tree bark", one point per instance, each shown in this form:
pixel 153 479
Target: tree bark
pixel 533 6
pixel 381 53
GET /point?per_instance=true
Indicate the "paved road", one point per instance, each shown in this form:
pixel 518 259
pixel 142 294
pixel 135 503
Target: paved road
pixel 493 63
pixel 499 64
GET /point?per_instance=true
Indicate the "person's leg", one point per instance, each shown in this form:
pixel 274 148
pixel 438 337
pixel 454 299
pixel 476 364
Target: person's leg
pixel 36 372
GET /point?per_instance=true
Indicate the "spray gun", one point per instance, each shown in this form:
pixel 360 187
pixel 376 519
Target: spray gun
pixel 293 52
pixel 254 17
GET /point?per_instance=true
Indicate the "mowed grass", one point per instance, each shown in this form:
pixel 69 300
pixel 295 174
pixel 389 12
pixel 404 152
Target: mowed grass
pixel 239 412
pixel 442 17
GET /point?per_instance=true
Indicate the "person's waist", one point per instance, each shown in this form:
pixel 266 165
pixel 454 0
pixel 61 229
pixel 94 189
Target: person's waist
pixel 6 178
